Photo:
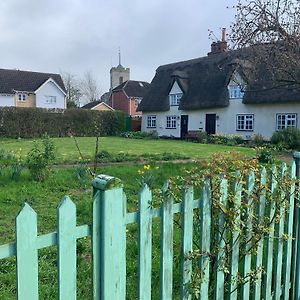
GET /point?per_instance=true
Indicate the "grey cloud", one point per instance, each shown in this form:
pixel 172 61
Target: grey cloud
pixel 81 35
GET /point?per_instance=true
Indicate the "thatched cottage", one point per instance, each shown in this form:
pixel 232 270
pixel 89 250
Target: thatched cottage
pixel 214 94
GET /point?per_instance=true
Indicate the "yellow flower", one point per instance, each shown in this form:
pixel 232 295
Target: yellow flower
pixel 156 168
pixel 146 167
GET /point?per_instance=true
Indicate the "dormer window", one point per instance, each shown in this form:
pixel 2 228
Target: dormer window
pixel 175 98
pixel 235 91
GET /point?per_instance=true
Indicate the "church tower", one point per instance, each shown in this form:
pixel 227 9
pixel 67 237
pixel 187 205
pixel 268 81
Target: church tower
pixel 118 74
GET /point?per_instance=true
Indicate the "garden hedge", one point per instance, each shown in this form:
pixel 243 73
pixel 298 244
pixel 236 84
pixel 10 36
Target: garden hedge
pixel 34 122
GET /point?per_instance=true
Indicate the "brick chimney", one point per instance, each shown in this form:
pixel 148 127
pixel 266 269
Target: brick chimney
pixel 219 46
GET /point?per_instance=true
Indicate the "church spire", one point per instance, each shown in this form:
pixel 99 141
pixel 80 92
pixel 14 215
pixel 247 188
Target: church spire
pixel 120 65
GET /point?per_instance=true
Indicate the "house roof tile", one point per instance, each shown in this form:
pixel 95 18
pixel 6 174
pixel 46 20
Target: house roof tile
pixel 17 80
pixel 133 88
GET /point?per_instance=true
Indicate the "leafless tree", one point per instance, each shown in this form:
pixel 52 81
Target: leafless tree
pixel 270 30
pixel 72 87
pixel 89 87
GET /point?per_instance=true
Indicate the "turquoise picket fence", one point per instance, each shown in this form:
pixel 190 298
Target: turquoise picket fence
pixel 280 260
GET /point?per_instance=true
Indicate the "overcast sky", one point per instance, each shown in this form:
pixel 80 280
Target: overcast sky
pixel 84 35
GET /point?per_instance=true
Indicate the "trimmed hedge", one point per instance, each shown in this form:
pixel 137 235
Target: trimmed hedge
pixel 34 122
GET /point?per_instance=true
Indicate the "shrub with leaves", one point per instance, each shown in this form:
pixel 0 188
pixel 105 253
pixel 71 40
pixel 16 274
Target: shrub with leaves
pixel 288 138
pixel 39 159
pixel 264 155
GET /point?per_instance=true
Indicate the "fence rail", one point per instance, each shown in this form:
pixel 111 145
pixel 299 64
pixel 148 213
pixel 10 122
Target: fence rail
pixel 278 257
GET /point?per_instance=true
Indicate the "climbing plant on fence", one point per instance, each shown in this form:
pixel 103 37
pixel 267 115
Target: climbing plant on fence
pixel 240 233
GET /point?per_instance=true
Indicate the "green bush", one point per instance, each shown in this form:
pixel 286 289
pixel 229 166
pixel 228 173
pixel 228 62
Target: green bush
pixel 226 139
pixel 34 122
pixel 40 158
pixel 288 138
pixel 265 155
pixel 257 140
pixel 202 137
pixel 140 134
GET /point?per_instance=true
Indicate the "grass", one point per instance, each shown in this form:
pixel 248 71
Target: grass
pixel 67 152
pixel 44 197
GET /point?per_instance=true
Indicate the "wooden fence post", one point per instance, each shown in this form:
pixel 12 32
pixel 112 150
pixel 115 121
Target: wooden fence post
pixel 296 248
pixel 108 238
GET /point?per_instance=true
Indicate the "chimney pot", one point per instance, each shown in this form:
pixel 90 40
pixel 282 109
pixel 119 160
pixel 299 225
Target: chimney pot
pixel 223 35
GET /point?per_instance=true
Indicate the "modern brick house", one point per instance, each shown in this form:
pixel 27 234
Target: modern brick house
pixel 127 96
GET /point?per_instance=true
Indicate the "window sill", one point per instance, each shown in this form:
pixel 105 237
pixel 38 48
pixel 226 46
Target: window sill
pixel 150 127
pixel 247 130
pixel 170 127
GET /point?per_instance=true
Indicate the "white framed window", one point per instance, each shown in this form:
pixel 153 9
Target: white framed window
pixel 22 97
pixel 286 120
pixel 50 99
pixel 151 121
pixel 175 98
pixel 235 91
pixel 245 122
pixel 171 122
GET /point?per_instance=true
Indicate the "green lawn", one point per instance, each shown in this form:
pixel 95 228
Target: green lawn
pixel 44 197
pixel 67 152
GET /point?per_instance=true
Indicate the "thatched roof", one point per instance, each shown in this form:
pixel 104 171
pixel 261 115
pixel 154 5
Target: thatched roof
pixel 204 83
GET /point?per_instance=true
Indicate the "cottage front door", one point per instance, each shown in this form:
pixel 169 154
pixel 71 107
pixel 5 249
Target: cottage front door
pixel 184 125
pixel 210 123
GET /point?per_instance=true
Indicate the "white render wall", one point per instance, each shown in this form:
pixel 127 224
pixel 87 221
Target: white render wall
pixel 50 89
pixel 175 89
pixel 7 100
pixel 264 118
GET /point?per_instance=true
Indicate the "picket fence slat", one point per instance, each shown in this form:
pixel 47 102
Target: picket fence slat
pixel 96 245
pixel 289 231
pixel 258 258
pixel 66 215
pixel 145 243
pixel 268 264
pixel 246 264
pixel 166 242
pixel 205 238
pixel 279 242
pixel 27 255
pixel 220 263
pixel 110 235
pixel 235 242
pixel 187 241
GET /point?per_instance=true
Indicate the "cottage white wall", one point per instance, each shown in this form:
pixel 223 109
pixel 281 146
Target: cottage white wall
pixel 161 118
pixel 161 122
pixel 264 118
pixel 175 89
pixel 50 89
pixel 7 100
